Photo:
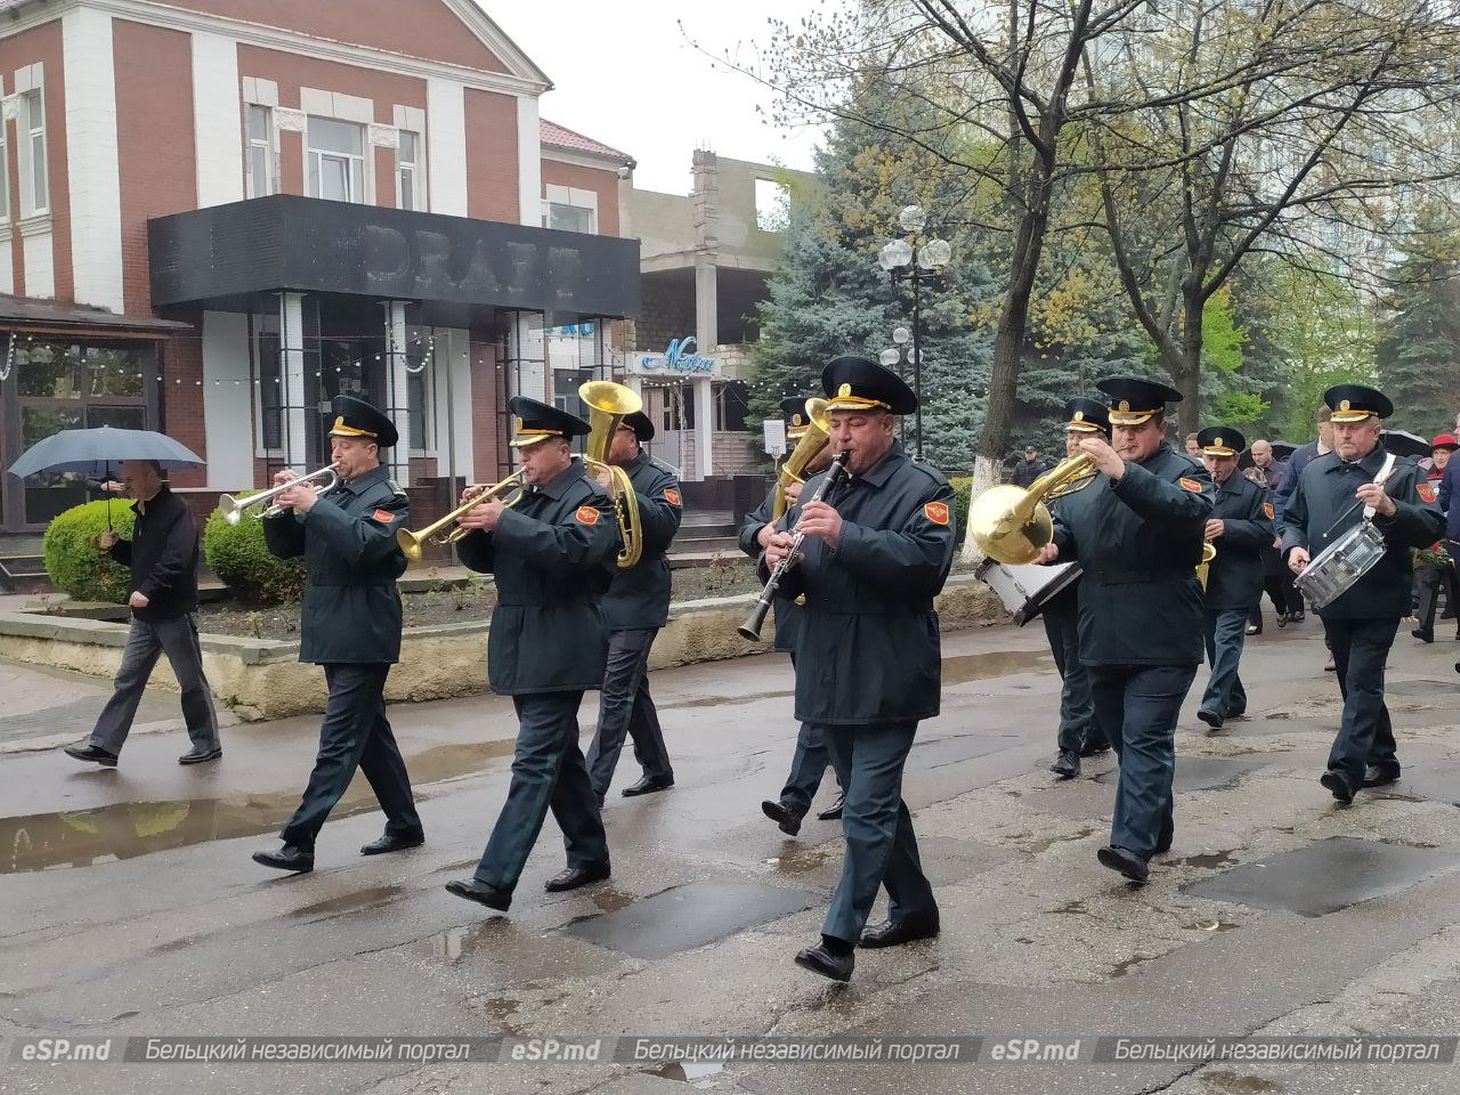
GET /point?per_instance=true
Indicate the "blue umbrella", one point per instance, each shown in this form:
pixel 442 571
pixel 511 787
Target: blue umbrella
pixel 93 452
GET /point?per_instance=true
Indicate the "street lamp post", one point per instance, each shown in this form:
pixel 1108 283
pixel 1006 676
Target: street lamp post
pixel 918 260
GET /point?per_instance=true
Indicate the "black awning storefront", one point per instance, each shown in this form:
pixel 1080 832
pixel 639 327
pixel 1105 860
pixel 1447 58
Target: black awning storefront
pixel 459 269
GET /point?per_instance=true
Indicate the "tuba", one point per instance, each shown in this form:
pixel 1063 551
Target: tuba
pixel 446 531
pixel 608 404
pixel 818 433
pixel 1010 524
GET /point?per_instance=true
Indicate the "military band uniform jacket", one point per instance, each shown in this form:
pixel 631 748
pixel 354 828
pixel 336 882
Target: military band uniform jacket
pixel 1138 540
pixel 553 557
pixel 639 595
pixel 352 609
pixel 869 649
pixel 788 613
pixel 1234 579
pixel 1325 490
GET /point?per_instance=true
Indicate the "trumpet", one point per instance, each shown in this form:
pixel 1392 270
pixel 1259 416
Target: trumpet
pixel 233 508
pixel 808 448
pixel 448 530
pixel 608 404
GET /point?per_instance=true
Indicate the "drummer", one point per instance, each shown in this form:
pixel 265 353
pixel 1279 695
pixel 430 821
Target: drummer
pixel 1327 502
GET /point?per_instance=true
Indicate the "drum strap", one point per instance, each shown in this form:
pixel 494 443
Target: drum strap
pixel 1385 471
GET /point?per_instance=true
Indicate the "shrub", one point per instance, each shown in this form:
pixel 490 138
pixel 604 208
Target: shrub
pixel 73 562
pixel 240 558
pixel 962 486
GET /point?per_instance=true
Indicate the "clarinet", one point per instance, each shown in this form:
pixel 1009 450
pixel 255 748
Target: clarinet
pixel 750 629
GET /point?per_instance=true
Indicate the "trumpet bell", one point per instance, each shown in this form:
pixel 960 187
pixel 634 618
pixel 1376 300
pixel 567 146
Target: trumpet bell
pixel 996 524
pixel 231 509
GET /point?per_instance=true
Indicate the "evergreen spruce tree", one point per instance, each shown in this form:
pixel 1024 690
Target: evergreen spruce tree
pixel 1418 355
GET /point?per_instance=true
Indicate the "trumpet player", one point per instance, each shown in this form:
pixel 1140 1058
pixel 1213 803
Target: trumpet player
pixel 635 608
pixel 1330 498
pixel 552 551
pixel 874 556
pixel 1137 530
pixel 1239 527
pixel 351 626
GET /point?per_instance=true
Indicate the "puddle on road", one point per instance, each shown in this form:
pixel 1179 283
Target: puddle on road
pixel 610 900
pixel 370 898
pixel 1207 859
pixel 469 939
pixel 800 860
pixel 981 667
pixel 124 830
pixel 694 1073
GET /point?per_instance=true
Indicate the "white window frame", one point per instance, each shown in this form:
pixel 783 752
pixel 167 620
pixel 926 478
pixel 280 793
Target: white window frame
pixel 265 145
pixel 415 168
pixel 27 158
pixel 570 197
pixel 357 173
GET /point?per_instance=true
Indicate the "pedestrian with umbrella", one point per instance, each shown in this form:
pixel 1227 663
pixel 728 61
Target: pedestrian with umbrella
pixel 163 557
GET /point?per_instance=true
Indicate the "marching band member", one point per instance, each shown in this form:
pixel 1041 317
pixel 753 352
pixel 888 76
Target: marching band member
pixel 553 556
pixel 873 558
pixel 1240 526
pixel 351 625
pixel 635 608
pixel 1327 501
pixel 1137 530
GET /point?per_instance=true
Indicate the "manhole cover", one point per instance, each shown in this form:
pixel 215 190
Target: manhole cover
pixel 1198 773
pixel 1325 877
pixel 686 917
pixel 938 752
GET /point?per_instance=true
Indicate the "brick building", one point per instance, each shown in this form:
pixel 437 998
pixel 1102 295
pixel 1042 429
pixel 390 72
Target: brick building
pixel 222 213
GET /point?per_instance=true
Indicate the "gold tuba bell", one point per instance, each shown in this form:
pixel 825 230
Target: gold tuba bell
pixel 1208 553
pixel 608 405
pixel 808 448
pixel 1010 524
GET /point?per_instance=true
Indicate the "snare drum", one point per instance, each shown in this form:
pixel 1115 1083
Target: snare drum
pixel 1342 563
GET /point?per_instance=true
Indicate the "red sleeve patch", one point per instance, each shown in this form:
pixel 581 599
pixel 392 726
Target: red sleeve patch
pixel 587 515
pixel 1192 485
pixel 1428 492
pixel 672 496
pixel 1268 509
pixel 936 512
pixel 384 516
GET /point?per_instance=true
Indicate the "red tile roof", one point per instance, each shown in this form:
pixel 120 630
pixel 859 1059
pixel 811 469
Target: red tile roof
pixel 557 136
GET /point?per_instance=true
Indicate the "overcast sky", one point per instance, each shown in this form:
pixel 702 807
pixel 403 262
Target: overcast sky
pixel 625 74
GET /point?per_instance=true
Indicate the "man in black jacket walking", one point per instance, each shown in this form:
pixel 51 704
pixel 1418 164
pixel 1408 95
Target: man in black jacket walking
pixel 163 556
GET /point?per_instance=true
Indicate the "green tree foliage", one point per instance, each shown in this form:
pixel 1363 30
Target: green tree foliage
pixel 1418 354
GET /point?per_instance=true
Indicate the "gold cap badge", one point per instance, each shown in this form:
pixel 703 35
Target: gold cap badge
pixel 1125 404
pixel 845 389
pixel 1344 405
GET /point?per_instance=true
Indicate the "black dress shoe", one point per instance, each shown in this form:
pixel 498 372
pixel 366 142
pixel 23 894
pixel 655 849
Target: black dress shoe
pixel 1338 784
pixel 834 811
pixel 817 959
pixel 1254 629
pixel 82 751
pixel 199 754
pixel 891 933
pixel 574 877
pixel 1296 617
pixel 1423 634
pixel 1380 775
pixel 1066 765
pixel 786 819
pixel 481 893
pixel 647 785
pixel 1282 619
pixel 287 858
pixel 394 842
pixel 1093 747
pixel 1211 718
pixel 1123 860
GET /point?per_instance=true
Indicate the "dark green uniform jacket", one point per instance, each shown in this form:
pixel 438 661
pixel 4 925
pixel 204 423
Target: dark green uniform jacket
pixel 1325 489
pixel 639 596
pixel 1139 539
pixel 869 650
pixel 788 613
pixel 352 612
pixel 553 555
pixel 1235 577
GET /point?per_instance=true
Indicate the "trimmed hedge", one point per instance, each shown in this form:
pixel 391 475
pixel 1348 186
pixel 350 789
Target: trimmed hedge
pixel 962 486
pixel 73 561
pixel 240 558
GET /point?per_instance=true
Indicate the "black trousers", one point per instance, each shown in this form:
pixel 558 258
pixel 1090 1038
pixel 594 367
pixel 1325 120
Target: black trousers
pixel 1077 710
pixel 547 773
pixel 1360 648
pixel 355 734
pixel 808 765
pixel 1430 580
pixel 625 708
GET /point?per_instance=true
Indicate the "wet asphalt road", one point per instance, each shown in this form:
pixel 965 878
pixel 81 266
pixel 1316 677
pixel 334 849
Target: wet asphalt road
pixel 129 906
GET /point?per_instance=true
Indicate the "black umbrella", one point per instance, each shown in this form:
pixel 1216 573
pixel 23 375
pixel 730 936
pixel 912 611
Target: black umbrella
pixel 1404 443
pixel 93 452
